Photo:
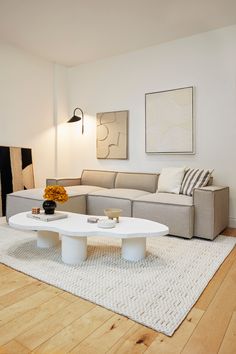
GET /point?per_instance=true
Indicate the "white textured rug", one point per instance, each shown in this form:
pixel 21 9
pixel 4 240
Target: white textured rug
pixel 157 292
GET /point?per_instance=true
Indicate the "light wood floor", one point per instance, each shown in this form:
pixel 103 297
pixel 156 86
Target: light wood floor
pixel 38 318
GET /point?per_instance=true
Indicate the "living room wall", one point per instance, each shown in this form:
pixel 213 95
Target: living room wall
pixel 26 107
pixel 205 61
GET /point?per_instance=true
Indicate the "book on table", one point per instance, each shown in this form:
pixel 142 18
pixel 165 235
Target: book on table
pixel 47 217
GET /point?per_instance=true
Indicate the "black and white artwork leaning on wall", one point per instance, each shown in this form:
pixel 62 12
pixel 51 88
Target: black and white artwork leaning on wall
pixel 16 172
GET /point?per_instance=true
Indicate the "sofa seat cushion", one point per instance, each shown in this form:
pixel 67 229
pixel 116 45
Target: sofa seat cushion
pixel 169 209
pixel 112 198
pixel 167 198
pixel 122 193
pixel 82 189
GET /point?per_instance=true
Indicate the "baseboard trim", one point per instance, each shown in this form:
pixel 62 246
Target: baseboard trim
pixel 232 222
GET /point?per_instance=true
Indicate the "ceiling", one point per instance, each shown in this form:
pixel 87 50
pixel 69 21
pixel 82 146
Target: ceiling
pixel 72 32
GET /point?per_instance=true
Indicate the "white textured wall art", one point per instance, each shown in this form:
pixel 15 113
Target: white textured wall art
pixel 169 121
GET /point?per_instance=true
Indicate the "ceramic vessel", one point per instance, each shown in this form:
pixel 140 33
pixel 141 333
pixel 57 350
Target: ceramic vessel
pixel 49 206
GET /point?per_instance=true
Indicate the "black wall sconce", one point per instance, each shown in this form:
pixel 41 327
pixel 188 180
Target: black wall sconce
pixel 76 118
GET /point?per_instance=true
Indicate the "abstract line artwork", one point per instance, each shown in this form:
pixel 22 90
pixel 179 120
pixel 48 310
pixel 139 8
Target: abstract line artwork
pixel 112 135
pixel 16 172
pixel 169 121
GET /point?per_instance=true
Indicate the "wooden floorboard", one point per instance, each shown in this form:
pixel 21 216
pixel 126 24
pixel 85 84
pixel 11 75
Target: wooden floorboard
pixel 39 318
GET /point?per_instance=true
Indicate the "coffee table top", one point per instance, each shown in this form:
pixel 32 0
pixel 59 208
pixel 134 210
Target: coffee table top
pixel 77 225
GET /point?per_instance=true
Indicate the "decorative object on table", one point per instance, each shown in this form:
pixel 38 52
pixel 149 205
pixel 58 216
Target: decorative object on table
pixel 106 223
pixel 76 118
pixel 53 194
pixel 113 213
pixel 112 135
pixel 169 121
pixel 36 210
pixel 16 172
pixel 92 219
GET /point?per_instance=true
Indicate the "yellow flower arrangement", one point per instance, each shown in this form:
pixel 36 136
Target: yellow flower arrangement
pixel 56 193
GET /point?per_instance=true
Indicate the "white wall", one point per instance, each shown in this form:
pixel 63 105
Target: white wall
pixel 205 61
pixel 26 107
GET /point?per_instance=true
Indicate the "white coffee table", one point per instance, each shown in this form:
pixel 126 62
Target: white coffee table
pixel 74 230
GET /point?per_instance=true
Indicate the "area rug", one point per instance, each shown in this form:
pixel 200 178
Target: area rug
pixel 157 292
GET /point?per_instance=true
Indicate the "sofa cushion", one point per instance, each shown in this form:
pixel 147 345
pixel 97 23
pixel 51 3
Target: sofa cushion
pixel 170 179
pixel 140 181
pixel 167 198
pixel 104 179
pixel 194 178
pixel 179 218
pixel 112 198
pixel 82 189
pixel 120 193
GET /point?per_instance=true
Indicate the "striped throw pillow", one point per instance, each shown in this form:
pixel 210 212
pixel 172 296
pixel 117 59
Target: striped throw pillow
pixel 194 178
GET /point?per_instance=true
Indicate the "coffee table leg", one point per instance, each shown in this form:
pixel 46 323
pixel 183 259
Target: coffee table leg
pixel 47 239
pixel 133 249
pixel 73 249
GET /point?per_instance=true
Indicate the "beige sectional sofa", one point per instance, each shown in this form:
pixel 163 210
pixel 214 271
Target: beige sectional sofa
pixel 204 215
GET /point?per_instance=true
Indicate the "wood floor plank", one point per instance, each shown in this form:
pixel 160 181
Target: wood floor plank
pixel 211 329
pixel 211 289
pixel 14 282
pixel 5 270
pixel 72 335
pixel 135 341
pixel 47 328
pixel 13 348
pixel 174 344
pixel 68 296
pixel 21 293
pixel 229 232
pixel 228 345
pixel 22 323
pixel 17 309
pixel 102 339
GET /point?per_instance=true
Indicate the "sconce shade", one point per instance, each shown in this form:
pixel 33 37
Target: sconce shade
pixel 76 118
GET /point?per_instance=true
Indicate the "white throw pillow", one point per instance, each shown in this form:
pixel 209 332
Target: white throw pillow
pixel 170 179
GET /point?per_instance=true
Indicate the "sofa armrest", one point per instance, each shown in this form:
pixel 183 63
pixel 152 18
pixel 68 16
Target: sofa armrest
pixel 66 182
pixel 211 209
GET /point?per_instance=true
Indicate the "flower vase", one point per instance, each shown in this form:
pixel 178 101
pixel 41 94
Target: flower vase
pixel 49 206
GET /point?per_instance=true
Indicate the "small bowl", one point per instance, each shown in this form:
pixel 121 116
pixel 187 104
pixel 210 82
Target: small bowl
pixel 113 213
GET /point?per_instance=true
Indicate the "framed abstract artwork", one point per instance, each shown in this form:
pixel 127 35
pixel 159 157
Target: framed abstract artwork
pixel 112 135
pixel 169 121
pixel 16 172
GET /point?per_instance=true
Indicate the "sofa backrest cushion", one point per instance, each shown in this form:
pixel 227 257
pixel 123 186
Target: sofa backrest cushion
pixel 104 179
pixel 141 181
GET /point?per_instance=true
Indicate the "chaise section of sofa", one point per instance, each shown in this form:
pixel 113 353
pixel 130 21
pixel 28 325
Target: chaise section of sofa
pixel 25 200
pixel 77 189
